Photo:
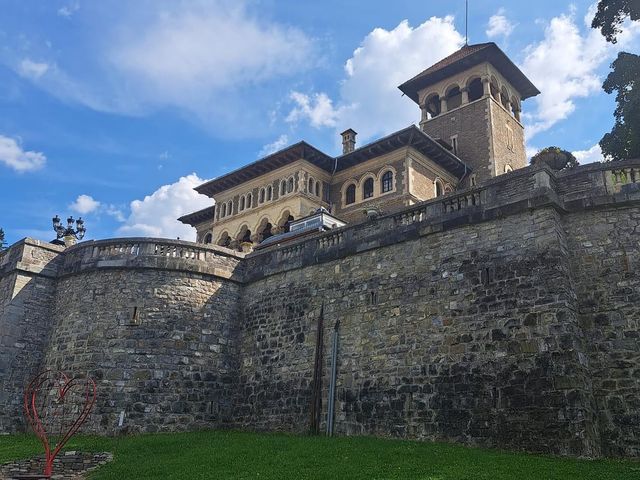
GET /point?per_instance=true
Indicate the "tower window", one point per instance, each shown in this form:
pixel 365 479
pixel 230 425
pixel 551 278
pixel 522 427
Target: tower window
pixel 367 189
pixel 249 200
pixel 317 189
pixel 454 98
pixel 269 193
pixel 261 197
pixel 241 203
pixel 207 238
pixel 509 137
pixel 290 185
pixel 283 187
pixel 223 211
pixel 350 196
pixel 310 186
pixel 439 189
pixel 387 182
pixel 230 208
pixel 473 180
pixel 454 144
pixel 475 89
pixel 432 105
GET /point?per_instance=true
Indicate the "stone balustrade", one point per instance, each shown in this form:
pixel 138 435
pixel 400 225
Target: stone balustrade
pixel 151 253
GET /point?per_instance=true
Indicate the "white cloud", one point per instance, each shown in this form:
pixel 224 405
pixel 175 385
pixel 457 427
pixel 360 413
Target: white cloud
pixel 33 70
pixel 593 154
pixel 114 212
pixel 565 66
pixel 68 10
pixel 156 214
pixel 370 101
pixel 203 58
pixel 499 25
pixel 84 204
pixel 12 155
pixel 316 108
pixel 279 143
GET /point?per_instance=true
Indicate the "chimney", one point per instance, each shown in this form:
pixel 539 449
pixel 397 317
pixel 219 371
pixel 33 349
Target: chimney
pixel 348 141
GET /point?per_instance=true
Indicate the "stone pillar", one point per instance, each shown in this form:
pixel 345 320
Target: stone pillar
pixel 425 113
pixel 465 95
pixel 486 87
pixel 443 105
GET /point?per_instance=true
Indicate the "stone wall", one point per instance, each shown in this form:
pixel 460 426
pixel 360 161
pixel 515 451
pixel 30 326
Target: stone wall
pixel 504 315
pixel 27 288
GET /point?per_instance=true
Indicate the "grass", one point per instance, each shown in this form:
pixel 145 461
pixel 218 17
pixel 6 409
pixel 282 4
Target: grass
pixel 235 455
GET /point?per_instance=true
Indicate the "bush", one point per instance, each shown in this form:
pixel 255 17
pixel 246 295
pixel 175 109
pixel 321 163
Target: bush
pixel 556 158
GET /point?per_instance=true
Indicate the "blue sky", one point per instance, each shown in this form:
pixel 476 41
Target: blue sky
pixel 114 110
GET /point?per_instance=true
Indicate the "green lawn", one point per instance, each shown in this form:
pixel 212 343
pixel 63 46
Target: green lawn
pixel 221 455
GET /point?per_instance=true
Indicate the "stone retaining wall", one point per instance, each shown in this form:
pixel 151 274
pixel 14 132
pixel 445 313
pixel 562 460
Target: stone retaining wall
pixel 504 315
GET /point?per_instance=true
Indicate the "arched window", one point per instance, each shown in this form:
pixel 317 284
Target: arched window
pixel 317 189
pixel 508 168
pixel 230 207
pixel 432 105
pixel 350 195
pixel 207 238
pixel 246 237
pixel 283 187
pixel 287 225
pixel 387 181
pixel 310 189
pixel 439 189
pixel 225 240
pixel 495 92
pixel 241 204
pixel 261 197
pixel 367 188
pixel 223 210
pixel 249 200
pixel 266 232
pixel 269 193
pixel 515 108
pixel 473 181
pixel 475 89
pixel 290 185
pixel 504 98
pixel 454 98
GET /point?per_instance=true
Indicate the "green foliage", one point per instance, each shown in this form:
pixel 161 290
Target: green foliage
pixel 624 139
pixel 3 244
pixel 235 455
pixel 556 157
pixel 611 14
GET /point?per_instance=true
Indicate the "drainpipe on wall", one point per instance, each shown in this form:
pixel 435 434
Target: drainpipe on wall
pixel 332 385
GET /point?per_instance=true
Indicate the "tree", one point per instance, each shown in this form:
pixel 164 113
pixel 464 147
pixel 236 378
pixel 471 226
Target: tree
pixel 624 139
pixel 556 158
pixel 2 242
pixel 611 14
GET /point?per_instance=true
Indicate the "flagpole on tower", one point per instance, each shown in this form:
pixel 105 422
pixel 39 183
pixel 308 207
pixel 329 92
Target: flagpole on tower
pixel 466 23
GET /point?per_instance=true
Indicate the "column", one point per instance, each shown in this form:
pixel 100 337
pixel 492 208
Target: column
pixel 486 87
pixel 465 95
pixel 443 105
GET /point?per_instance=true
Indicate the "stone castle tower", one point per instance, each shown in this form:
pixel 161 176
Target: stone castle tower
pixel 471 100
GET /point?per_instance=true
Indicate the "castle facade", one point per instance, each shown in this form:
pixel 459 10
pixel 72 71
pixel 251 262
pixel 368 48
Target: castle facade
pixel 499 310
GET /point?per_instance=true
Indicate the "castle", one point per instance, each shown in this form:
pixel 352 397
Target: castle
pixel 452 292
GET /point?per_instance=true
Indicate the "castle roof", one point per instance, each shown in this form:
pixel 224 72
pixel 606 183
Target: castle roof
pixel 465 58
pixel 413 137
pixel 299 151
pixel 198 217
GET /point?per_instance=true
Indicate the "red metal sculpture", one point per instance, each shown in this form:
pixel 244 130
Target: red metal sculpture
pixel 56 406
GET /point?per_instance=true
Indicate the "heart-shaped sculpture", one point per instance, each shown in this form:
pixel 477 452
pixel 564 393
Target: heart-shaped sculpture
pixel 56 406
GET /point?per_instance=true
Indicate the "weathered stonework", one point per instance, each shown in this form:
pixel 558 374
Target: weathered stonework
pixel 504 315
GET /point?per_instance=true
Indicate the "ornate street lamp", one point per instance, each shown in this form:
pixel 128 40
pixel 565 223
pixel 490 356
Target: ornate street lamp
pixel 68 234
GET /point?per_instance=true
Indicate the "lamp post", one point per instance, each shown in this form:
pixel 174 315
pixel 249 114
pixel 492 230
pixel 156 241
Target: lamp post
pixel 68 234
